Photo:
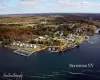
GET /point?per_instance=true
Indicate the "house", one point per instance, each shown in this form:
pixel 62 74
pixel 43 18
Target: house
pixel 49 49
pixel 55 38
pixel 35 46
pixel 17 44
pixel 41 37
pixel 27 45
pixel 77 36
pixel 13 44
pixel 56 32
pixel 72 25
pixel 69 36
pixel 71 39
pixel 0 42
pixel 78 30
pixel 61 34
pixel 31 45
pixel 21 45
pixel 46 36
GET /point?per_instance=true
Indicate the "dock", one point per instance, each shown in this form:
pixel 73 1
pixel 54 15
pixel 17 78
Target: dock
pixel 22 52
pixel 27 53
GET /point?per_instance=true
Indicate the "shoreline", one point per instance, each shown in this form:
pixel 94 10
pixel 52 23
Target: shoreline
pixel 29 51
pixel 24 52
pixel 74 45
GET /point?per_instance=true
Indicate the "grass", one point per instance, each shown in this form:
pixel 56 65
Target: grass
pixel 80 39
pixel 32 50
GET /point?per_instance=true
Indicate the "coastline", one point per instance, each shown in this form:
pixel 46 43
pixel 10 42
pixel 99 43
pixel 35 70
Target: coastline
pixel 24 51
pixel 74 45
pixel 29 51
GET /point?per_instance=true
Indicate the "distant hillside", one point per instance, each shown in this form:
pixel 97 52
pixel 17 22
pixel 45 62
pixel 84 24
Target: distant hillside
pixel 75 16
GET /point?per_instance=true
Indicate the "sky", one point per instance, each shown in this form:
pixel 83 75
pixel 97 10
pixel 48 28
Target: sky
pixel 49 6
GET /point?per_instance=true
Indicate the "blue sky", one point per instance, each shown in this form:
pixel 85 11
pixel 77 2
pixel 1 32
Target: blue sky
pixel 49 6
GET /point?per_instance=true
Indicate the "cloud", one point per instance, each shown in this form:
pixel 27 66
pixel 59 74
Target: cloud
pixel 1 3
pixel 73 3
pixel 41 6
pixel 2 6
pixel 36 3
pixel 28 3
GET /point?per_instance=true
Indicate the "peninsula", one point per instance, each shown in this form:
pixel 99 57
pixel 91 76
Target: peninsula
pixel 55 33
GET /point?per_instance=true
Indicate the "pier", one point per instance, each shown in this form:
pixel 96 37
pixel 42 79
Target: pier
pixel 27 53
pixel 22 52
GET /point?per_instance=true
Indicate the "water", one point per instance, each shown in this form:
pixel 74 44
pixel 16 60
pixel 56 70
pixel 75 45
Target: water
pixel 54 66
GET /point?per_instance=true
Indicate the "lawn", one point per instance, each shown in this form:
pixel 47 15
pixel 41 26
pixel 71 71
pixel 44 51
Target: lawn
pixel 80 39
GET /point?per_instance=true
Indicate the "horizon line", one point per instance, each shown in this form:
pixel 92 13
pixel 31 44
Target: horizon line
pixel 52 13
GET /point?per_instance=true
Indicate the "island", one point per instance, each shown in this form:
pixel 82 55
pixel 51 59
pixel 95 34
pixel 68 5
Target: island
pixel 55 33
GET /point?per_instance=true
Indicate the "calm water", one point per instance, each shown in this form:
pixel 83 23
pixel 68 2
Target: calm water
pixel 54 66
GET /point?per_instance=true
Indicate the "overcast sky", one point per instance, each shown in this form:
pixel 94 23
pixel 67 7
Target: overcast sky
pixel 49 6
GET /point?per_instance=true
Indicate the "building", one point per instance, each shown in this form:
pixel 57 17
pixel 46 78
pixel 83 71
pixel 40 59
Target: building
pixel 34 46
pixel 0 42
pixel 27 45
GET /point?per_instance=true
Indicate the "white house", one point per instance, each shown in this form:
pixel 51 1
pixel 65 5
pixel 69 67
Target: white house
pixel 31 45
pixel 71 39
pixel 21 44
pixel 13 44
pixel 27 45
pixel 41 37
pixel 49 49
pixel 17 44
pixel 0 42
pixel 35 46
